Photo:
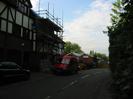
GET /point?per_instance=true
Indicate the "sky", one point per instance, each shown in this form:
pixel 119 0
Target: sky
pixel 84 21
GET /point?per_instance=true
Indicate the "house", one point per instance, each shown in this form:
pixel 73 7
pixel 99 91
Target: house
pixel 49 44
pixel 26 38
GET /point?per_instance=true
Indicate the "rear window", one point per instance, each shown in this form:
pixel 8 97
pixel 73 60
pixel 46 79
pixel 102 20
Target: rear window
pixel 8 65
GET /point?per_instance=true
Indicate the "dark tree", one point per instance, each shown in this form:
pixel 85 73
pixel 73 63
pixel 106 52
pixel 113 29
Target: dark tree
pixel 121 51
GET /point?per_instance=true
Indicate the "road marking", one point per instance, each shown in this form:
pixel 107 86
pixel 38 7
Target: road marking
pixel 74 82
pixel 48 97
pixel 85 76
pixel 70 84
pixel 97 73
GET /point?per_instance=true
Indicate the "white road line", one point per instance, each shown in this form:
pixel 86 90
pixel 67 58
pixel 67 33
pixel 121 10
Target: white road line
pixel 70 84
pixel 97 73
pixel 85 76
pixel 74 82
pixel 48 97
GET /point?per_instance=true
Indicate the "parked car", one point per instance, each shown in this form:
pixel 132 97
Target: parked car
pixel 12 71
pixel 68 64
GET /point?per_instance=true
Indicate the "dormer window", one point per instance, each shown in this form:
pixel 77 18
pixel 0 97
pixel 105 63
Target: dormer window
pixel 22 6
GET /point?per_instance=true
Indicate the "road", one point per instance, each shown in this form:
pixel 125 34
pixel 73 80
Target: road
pixel 89 84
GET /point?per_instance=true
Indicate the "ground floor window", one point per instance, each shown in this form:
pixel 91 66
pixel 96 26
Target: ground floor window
pixel 34 46
pixel 26 33
pixel 30 35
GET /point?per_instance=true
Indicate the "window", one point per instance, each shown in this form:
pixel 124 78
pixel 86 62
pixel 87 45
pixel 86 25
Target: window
pixel 21 32
pixel 4 14
pixel 34 36
pixel 65 61
pixel 34 46
pixel 17 3
pixel 16 30
pixel 25 21
pixel 26 10
pixel 30 35
pixel 21 6
pixel 19 18
pixel 26 33
pixel 0 24
pixel 3 25
pixel 9 27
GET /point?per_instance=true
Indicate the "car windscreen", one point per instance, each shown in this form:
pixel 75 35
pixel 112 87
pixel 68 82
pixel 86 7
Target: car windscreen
pixel 65 61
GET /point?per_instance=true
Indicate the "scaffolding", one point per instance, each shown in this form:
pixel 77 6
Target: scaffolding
pixel 47 15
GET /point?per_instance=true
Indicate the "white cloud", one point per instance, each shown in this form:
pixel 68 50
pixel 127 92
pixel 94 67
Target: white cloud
pixel 87 29
pixel 35 4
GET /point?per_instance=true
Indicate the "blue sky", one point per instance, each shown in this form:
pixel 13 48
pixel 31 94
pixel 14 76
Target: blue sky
pixel 84 21
pixel 68 7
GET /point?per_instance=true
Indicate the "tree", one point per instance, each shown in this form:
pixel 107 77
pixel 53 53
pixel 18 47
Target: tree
pixel 102 56
pixel 117 9
pixel 92 53
pixel 99 55
pixel 72 47
pixel 121 51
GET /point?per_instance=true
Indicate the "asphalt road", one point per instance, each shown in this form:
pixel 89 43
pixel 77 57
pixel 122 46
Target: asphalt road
pixel 89 84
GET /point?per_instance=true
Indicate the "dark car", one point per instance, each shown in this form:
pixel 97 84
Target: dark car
pixel 12 71
pixel 68 64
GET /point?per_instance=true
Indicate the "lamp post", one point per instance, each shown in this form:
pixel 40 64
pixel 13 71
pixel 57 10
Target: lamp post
pixel 22 53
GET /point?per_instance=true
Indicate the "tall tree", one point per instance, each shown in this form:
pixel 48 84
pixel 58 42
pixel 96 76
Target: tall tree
pixel 121 51
pixel 117 9
pixel 72 47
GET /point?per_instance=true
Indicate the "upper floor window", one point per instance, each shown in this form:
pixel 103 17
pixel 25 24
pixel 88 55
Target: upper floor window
pixel 22 7
pixel 3 25
pixel 17 30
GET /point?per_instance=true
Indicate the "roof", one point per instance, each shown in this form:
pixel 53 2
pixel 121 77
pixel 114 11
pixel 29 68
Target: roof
pixel 14 2
pixel 47 21
pixel 51 24
pixel 29 3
